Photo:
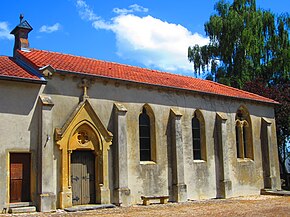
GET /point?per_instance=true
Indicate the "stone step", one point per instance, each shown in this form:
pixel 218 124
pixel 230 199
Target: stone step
pixel 89 207
pixel 25 209
pixel 20 204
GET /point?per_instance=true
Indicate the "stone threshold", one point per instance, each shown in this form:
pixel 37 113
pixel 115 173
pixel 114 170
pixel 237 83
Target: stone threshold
pixel 19 207
pixel 25 209
pixel 275 192
pixel 19 204
pixel 89 207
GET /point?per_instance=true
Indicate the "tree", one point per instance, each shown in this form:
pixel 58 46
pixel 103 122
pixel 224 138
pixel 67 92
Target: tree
pixel 249 48
pixel 245 43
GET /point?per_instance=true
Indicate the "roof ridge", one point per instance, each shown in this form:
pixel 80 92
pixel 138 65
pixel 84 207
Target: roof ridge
pixel 120 64
pixel 78 56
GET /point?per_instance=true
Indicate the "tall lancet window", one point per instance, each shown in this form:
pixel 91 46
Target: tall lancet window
pixel 198 136
pixel 147 134
pixel 196 139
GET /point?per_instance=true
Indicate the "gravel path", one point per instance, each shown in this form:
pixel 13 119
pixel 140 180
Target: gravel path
pixel 241 206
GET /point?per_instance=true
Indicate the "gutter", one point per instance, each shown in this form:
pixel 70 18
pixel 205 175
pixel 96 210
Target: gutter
pixel 29 68
pixel 19 79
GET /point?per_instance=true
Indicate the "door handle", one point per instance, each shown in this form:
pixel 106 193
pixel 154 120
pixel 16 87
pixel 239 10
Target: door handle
pixel 90 178
pixel 86 177
pixel 76 198
pixel 76 178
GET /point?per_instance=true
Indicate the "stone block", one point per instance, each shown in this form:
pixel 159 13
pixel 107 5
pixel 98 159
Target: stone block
pixel 180 192
pixel 122 196
pixel 47 202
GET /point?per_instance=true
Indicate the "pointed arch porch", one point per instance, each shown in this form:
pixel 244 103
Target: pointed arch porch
pixel 84 131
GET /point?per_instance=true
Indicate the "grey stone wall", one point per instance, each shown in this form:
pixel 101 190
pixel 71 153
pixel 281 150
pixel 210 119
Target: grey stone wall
pixel 246 177
pixel 19 127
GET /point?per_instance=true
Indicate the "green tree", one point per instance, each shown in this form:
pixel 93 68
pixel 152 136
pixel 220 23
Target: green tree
pixel 245 43
pixel 249 45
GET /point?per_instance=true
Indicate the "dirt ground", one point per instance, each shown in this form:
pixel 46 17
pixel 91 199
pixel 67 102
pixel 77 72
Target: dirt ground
pixel 241 206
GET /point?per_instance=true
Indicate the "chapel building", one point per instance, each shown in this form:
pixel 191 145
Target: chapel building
pixel 76 130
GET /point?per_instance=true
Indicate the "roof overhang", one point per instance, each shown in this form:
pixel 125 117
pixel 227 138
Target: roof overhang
pixel 19 79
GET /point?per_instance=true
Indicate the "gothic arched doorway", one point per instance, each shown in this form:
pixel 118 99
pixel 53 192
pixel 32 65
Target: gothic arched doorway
pixel 84 143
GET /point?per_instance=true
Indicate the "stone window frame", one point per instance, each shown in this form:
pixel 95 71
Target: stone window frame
pixel 203 154
pixel 244 134
pixel 152 158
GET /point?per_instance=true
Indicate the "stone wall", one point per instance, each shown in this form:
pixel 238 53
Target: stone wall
pixel 219 175
pixel 246 176
pixel 19 127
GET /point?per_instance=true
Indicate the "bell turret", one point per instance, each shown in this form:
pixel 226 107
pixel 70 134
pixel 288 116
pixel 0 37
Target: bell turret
pixel 21 35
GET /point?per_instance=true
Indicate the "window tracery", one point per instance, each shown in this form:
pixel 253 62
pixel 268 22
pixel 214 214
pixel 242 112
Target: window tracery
pixel 243 134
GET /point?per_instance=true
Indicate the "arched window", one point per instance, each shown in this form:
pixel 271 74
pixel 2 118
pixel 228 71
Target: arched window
pixel 244 140
pixel 147 134
pixel 196 139
pixel 198 136
pixel 144 136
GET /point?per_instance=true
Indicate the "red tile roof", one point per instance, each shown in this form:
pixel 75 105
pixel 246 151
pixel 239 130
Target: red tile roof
pixel 77 64
pixel 10 69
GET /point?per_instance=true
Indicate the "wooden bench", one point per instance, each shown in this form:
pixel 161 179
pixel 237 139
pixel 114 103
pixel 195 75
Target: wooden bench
pixel 146 199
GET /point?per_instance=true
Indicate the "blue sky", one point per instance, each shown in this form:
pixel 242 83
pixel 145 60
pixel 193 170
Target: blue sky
pixel 149 33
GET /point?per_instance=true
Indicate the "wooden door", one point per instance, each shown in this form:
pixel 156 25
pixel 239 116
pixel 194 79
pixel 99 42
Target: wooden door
pixel 83 177
pixel 19 177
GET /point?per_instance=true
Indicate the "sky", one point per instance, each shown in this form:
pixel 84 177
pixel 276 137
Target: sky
pixel 153 34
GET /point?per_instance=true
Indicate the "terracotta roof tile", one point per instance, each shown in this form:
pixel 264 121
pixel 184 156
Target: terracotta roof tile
pixel 11 69
pixel 70 63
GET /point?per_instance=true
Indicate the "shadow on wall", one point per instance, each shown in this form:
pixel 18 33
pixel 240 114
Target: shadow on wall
pixel 18 97
pixel 219 169
pixel 169 157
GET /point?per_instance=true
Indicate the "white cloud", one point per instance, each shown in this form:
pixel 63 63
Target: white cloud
pixel 50 29
pixel 85 11
pixel 154 42
pixel 4 31
pixel 133 8
pixel 148 40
